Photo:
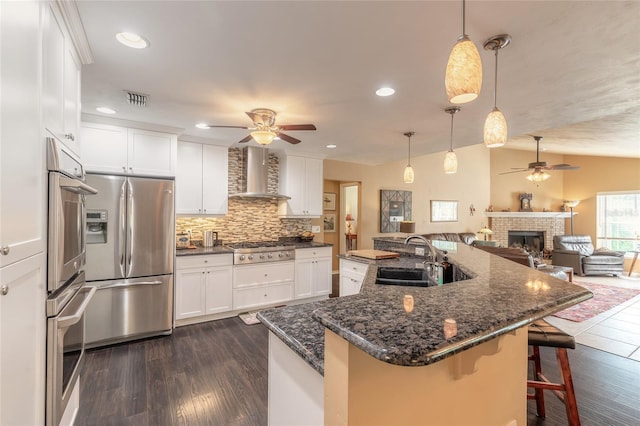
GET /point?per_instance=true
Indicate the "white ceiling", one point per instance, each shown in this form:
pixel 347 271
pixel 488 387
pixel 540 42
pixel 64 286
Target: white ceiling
pixel 571 73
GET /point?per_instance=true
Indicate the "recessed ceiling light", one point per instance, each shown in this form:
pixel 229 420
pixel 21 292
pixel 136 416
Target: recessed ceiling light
pixel 202 126
pixel 106 110
pixel 332 146
pixel 385 91
pixel 132 40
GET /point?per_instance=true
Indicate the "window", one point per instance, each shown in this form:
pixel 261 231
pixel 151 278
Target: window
pixel 618 220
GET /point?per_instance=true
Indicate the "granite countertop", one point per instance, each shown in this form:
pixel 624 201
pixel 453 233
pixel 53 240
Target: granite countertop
pixel 501 296
pixel 203 251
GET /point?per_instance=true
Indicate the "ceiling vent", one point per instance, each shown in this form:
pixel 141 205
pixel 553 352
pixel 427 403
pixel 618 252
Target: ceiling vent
pixel 136 99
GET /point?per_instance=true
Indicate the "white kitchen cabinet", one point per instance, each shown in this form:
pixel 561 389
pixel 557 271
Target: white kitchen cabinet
pixel 202 179
pixel 61 73
pixel 300 179
pixel 22 341
pixel 113 149
pixel 352 275
pixel 22 146
pixel 313 272
pixel 203 285
pixel 262 284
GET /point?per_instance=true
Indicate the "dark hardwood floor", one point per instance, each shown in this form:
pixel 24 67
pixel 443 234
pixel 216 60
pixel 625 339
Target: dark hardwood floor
pixel 215 373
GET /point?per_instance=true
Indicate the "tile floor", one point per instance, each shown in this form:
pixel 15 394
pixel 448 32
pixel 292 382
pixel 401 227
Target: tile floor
pixel 617 330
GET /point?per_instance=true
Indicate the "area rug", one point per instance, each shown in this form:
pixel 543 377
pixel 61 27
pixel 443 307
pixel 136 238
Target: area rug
pixel 604 298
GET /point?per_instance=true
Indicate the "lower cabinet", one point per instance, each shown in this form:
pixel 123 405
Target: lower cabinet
pixel 313 272
pixel 203 285
pixel 351 276
pixel 262 284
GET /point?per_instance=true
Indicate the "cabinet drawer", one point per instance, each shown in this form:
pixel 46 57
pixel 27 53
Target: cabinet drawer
pixel 313 253
pixel 250 297
pixel 195 261
pixel 263 273
pixel 353 267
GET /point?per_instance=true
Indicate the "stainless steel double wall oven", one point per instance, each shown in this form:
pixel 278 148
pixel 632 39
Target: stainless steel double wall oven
pixel 67 295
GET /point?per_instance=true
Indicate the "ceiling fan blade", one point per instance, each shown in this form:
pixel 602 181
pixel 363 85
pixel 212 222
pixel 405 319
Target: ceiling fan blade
pixel 514 171
pixel 228 127
pixel 562 167
pixel 246 139
pixel 288 138
pixel 296 127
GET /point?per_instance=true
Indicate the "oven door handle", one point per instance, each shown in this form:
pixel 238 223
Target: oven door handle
pixel 76 186
pixel 130 284
pixel 69 320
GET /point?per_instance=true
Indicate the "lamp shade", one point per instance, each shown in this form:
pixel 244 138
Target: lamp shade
pixel 572 204
pixel 408 174
pixel 408 227
pixel 349 217
pixel 450 163
pixel 538 176
pixel 263 137
pixel 495 129
pixel 463 78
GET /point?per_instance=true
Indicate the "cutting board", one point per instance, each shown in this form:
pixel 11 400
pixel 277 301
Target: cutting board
pixel 374 254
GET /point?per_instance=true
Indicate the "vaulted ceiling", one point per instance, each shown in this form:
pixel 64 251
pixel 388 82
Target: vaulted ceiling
pixel 571 73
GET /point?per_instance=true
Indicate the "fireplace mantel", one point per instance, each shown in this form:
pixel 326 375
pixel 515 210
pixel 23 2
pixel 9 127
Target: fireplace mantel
pixel 549 215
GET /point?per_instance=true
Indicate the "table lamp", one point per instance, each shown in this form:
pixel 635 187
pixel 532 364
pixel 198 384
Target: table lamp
pixel 485 231
pixel 349 219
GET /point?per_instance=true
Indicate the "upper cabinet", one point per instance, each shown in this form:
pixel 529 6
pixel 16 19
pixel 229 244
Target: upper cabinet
pixel 301 179
pixel 113 149
pixel 202 179
pixel 60 78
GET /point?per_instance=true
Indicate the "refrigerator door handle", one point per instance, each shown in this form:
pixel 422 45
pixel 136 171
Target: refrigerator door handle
pixel 116 285
pixel 122 232
pixel 130 208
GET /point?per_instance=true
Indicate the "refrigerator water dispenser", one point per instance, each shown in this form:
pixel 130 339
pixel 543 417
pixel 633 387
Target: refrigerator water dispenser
pixel 96 226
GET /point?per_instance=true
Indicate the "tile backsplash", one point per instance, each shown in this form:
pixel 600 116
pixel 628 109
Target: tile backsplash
pixel 247 219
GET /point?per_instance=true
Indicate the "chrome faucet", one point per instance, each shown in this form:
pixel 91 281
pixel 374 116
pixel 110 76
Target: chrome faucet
pixel 432 250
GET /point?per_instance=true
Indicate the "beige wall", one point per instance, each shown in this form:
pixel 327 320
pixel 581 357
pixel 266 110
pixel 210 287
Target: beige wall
pixel 471 185
pixel 334 237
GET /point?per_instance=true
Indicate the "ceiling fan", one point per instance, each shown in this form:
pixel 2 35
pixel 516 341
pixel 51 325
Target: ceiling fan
pixel 265 130
pixel 538 167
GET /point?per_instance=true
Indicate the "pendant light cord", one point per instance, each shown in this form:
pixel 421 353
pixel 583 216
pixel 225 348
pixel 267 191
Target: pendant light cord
pixel 451 137
pixel 495 83
pixel 463 19
pixel 409 158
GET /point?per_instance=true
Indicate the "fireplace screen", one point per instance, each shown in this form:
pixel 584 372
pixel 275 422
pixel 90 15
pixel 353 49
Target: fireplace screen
pixel 531 241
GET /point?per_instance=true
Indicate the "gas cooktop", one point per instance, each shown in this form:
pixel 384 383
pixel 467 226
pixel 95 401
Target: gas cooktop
pixel 261 244
pixel 261 251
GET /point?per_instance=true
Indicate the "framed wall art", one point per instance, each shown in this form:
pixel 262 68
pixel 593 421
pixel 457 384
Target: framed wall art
pixel 395 207
pixel 444 210
pixel 329 222
pixel 329 201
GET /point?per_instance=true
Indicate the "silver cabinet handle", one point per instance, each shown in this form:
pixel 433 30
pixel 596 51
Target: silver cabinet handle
pixel 69 136
pixel 5 250
pixel 4 290
pixel 124 169
pixel 131 169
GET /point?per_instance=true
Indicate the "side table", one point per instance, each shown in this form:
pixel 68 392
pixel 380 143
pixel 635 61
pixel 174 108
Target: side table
pixel 351 241
pixel 633 262
pixel 552 269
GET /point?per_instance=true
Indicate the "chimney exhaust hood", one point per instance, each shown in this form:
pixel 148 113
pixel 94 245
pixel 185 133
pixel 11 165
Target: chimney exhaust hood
pixel 254 176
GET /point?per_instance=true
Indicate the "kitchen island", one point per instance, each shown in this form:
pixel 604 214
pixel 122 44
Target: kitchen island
pixel 356 341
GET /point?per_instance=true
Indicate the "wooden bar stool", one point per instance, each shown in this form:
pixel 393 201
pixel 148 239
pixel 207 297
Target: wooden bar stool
pixel 541 333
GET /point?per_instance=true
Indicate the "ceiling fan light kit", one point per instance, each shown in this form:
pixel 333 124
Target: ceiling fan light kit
pixel 263 137
pixel 450 158
pixel 463 77
pixel 408 171
pixel 495 126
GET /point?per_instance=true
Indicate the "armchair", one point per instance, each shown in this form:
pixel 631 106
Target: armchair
pixel 577 252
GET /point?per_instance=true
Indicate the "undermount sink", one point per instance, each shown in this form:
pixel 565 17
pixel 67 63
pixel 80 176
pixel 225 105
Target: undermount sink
pixel 415 277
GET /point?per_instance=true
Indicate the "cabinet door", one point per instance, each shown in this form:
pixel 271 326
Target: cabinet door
pixel 152 153
pixel 349 285
pixel 103 148
pixel 53 51
pixel 189 178
pixel 71 96
pixel 295 185
pixel 219 291
pixel 322 276
pixel 215 171
pixel 313 191
pixel 22 342
pixel 304 278
pixel 22 147
pixel 190 293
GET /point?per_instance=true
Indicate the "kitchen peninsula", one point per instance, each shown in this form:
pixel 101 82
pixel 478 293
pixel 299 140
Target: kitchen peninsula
pixel 381 357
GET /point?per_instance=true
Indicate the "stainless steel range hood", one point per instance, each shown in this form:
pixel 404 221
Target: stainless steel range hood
pixel 254 177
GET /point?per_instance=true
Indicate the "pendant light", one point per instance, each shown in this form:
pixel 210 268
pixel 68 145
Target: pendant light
pixel 495 126
pixel 450 159
pixel 408 171
pixel 463 78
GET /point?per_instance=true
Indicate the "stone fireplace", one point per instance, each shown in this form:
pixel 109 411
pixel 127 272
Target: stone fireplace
pixel 545 224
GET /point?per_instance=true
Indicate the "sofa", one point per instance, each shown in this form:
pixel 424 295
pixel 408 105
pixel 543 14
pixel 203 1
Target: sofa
pixel 462 237
pixel 577 252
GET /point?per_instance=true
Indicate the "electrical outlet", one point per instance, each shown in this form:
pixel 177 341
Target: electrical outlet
pixel 419 251
pixel 315 229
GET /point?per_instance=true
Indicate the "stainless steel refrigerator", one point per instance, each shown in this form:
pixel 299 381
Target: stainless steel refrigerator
pixel 130 251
